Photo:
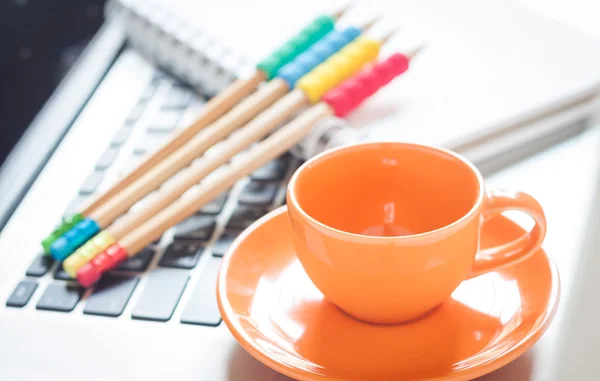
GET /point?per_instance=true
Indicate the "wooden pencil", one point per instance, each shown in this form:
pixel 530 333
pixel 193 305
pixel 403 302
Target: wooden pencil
pixel 214 109
pixel 310 87
pixel 338 101
pixel 237 117
pixel 279 142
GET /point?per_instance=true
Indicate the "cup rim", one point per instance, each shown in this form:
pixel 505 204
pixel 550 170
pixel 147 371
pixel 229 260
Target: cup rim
pixel 292 199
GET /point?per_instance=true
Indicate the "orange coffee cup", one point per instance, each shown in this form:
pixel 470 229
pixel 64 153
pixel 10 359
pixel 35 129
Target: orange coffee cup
pixel 387 231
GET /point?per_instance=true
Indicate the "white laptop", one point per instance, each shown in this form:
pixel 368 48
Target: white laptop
pixel 496 77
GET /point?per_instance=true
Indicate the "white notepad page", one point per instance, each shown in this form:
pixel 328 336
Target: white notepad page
pixel 487 65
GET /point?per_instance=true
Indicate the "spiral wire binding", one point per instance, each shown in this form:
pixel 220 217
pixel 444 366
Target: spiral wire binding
pixel 177 47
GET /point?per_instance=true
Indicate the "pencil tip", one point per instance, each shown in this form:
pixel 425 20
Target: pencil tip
pixel 416 51
pixel 345 8
pixel 370 23
pixel 389 35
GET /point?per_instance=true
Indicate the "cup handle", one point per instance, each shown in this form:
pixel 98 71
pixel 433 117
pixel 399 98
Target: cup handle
pixel 493 258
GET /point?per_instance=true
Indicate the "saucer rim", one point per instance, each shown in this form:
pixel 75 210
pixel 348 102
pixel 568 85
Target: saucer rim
pixel 486 367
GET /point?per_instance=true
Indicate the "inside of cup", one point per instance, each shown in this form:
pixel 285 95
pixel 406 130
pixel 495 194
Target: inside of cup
pixel 387 189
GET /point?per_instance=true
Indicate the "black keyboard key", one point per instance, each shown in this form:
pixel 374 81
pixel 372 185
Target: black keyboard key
pixel 60 297
pixel 178 97
pixel 181 254
pixel 91 183
pixel 243 216
pixel 202 307
pixel 121 136
pixel 222 244
pixel 160 295
pixel 61 274
pixel 165 121
pixel 22 293
pixel 195 228
pixel 40 265
pixel 258 193
pixel 107 158
pixel 272 171
pixel 110 295
pixel 215 206
pixel 138 262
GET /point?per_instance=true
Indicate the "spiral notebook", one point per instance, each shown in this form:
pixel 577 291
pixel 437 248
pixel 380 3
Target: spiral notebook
pixel 496 80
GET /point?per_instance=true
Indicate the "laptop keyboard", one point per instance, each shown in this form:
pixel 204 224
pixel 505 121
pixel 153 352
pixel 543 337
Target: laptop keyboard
pixel 186 258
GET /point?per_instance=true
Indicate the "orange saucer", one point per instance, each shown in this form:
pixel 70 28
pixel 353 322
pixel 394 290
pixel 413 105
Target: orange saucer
pixel 276 313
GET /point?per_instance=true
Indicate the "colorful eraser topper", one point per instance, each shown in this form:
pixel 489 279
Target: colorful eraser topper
pixel 339 67
pixel 87 252
pixel 352 92
pixel 89 273
pixel 72 239
pixel 66 224
pixel 317 54
pixel 296 45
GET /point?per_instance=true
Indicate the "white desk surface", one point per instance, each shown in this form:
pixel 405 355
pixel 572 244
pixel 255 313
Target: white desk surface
pixel 565 181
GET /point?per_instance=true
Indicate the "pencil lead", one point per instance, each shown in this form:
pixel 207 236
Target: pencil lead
pixel 389 35
pixel 411 54
pixel 369 24
pixel 341 11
